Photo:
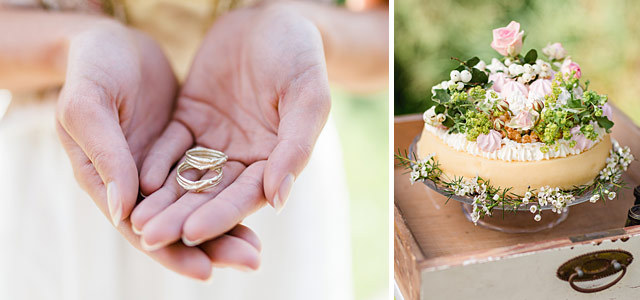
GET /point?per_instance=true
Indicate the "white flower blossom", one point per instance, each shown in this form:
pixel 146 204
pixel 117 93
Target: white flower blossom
pixel 594 198
pixel 537 217
pixel 533 209
pixel 611 195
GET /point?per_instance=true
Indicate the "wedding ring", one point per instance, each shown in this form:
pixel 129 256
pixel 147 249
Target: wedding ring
pixel 201 158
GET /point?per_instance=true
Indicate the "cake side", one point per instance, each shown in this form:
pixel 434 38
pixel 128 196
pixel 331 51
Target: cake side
pixel 563 172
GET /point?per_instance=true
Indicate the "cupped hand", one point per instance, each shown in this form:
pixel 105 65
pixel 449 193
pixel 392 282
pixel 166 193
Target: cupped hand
pixel 118 97
pixel 258 91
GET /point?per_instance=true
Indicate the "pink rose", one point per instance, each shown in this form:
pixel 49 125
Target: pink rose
pixel 508 40
pixel 554 51
pixel 539 88
pixel 490 142
pixel 569 66
pixel 510 87
pixel 582 142
pixel 499 80
pixel 523 120
pixel 607 112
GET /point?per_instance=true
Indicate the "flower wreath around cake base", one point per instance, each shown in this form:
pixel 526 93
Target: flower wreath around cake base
pixel 487 197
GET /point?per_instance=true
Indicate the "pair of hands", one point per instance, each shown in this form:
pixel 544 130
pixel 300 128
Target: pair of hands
pixel 257 90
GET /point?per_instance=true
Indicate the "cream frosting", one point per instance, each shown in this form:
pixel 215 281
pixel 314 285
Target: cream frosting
pixel 512 150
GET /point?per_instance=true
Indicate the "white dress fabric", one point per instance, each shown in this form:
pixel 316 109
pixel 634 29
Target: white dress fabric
pixel 55 244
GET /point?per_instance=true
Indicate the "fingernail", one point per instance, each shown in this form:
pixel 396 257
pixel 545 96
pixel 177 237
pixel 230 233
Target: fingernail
pixel 209 280
pixel 283 192
pixel 244 268
pixel 136 230
pixel 114 203
pixel 190 243
pixel 148 247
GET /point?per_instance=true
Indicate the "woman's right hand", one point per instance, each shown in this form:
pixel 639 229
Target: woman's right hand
pixel 118 97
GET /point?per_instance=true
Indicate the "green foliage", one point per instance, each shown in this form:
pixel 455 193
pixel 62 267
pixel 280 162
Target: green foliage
pixel 476 123
pixel 603 38
pixel 531 57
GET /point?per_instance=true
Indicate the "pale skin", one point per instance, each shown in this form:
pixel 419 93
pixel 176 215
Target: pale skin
pixel 262 99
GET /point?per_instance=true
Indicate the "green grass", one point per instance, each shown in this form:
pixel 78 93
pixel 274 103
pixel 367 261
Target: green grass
pixel 362 122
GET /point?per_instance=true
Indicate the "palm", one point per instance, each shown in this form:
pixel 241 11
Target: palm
pixel 113 106
pixel 258 82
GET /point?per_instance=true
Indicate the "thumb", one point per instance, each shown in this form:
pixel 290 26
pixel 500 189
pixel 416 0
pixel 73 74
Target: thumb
pixel 92 121
pixel 303 112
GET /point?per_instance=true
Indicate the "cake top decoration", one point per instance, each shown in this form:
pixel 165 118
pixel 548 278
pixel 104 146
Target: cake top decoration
pixel 523 98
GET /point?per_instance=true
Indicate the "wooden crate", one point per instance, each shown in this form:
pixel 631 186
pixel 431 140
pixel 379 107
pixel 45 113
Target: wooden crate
pixel 439 254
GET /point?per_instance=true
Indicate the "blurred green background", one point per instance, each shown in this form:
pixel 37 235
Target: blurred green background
pixel 363 127
pixel 602 36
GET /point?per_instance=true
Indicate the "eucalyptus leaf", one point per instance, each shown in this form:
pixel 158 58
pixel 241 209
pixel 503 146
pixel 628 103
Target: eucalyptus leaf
pixel 574 103
pixel 472 61
pixel 604 122
pixel 441 96
pixel 531 56
pixel 478 76
pixel 448 122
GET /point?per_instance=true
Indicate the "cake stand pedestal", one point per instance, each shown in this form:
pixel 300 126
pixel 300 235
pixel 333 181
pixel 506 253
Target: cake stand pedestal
pixel 520 222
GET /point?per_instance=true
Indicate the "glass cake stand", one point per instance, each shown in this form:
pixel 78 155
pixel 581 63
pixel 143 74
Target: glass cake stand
pixel 509 220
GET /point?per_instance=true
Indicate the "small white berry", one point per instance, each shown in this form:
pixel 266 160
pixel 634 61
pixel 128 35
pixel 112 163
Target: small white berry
pixel 455 75
pixel 451 84
pixel 536 69
pixel 527 68
pixel 507 62
pixel 460 86
pixel 465 76
pixel 545 67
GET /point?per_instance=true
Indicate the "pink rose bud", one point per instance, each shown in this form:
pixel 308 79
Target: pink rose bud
pixel 554 51
pixel 569 66
pixel 538 105
pixel 503 105
pixel 508 40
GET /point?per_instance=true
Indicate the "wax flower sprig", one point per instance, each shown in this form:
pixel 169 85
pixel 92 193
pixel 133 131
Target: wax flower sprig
pixel 487 197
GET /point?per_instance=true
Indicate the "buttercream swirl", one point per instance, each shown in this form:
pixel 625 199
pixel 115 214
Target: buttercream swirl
pixel 512 150
pixel 490 142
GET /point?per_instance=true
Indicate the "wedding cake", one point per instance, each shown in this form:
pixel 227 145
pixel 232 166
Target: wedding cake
pixel 521 130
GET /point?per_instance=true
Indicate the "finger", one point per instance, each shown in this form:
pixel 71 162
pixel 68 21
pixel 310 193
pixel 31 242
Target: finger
pixel 303 112
pixel 169 148
pixel 166 227
pixel 231 251
pixel 188 261
pixel 159 200
pixel 246 234
pixel 96 129
pixel 229 208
